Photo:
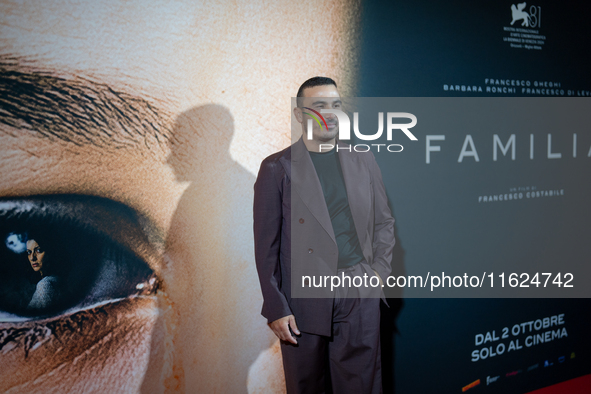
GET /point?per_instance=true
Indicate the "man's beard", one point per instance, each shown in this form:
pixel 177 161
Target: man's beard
pixel 328 135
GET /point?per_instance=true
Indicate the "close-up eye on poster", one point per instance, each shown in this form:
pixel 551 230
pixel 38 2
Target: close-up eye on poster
pixel 251 197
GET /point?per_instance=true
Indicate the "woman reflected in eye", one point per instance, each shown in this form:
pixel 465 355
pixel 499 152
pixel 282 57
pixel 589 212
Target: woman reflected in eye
pixel 48 291
pixel 36 255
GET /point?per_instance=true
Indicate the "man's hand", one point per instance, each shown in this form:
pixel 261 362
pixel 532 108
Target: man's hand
pixel 281 328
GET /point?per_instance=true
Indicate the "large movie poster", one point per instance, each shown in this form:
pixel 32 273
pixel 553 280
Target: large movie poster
pixel 462 201
pixel 131 133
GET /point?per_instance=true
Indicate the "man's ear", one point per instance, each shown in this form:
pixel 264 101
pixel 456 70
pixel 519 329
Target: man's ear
pixel 297 111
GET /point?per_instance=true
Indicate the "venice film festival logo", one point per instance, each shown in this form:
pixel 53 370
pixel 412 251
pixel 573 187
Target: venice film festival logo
pixel 344 125
pixel 532 19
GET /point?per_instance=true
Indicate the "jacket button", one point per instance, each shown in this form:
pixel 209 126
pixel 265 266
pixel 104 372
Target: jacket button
pixel 302 220
pixel 310 250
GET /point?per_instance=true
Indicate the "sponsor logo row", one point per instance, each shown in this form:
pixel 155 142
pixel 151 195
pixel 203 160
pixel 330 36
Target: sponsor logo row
pixel 491 379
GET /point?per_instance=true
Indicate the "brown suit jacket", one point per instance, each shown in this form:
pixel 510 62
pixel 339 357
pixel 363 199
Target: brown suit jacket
pixel 294 236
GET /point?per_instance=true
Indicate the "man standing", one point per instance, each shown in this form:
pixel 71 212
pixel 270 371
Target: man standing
pixel 317 213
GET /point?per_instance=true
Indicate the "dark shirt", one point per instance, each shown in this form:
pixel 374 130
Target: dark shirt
pixel 330 174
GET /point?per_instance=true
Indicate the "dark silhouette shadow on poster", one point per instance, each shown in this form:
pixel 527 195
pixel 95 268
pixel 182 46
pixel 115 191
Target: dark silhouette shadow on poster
pixel 389 329
pixel 207 245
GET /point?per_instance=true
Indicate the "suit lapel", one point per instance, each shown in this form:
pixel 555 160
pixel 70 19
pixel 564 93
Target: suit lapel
pixel 358 192
pixel 305 183
pixel 285 161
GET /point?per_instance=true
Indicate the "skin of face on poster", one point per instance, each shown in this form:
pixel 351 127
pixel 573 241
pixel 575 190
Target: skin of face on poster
pixel 131 134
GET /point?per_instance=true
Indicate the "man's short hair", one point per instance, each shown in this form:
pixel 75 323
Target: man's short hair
pixel 313 82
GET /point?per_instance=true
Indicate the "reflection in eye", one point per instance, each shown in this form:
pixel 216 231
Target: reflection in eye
pixel 15 243
pixel 57 256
